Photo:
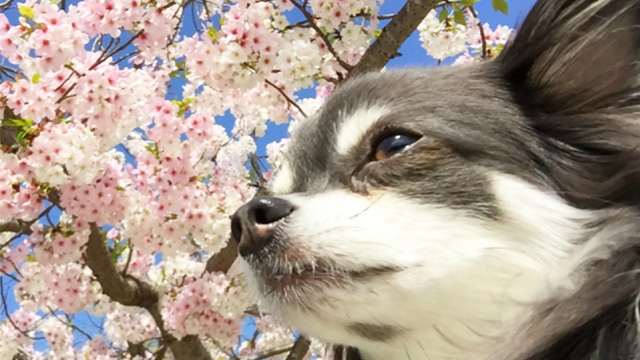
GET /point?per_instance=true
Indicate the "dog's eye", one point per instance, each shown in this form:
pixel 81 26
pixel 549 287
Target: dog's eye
pixel 391 145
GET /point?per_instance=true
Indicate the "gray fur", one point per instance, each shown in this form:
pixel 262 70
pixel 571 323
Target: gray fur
pixel 560 108
pixel 376 332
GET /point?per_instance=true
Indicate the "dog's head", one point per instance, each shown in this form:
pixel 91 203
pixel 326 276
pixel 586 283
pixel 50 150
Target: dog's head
pixel 433 204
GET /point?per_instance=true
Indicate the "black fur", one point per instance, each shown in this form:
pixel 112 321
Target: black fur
pixel 587 113
pixel 610 335
pixel 574 73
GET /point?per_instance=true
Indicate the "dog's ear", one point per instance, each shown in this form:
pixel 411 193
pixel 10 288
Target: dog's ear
pixel 573 68
pixel 576 56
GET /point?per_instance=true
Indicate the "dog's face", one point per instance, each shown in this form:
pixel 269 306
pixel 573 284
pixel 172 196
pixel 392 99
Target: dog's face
pixel 403 211
pixel 432 206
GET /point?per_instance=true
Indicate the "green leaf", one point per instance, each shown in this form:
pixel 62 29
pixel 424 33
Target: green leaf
pixel 36 78
pixel 25 125
pixel 153 149
pixel 498 49
pixel 458 16
pixel 117 251
pixel 213 33
pixel 30 258
pixel 501 5
pixel 21 135
pixel 183 105
pixel 67 233
pixel 377 33
pixel 13 122
pixel 443 15
pixel 26 11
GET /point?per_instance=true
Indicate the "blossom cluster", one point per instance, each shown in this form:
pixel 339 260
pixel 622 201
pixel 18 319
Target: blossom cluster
pixel 209 306
pixel 116 114
pixel 443 39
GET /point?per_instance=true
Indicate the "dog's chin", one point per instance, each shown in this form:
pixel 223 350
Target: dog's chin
pixel 295 283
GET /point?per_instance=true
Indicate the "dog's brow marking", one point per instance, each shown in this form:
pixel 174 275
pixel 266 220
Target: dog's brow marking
pixel 283 180
pixel 353 127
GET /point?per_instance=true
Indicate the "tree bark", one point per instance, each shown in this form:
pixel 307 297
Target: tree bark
pixel 393 35
pixel 300 348
pixel 130 291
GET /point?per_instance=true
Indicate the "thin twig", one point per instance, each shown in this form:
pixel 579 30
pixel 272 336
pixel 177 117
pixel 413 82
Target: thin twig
pixel 5 5
pixel 289 100
pixel 66 323
pixel 106 56
pixel 66 95
pixel 485 52
pixel 21 227
pixel 255 165
pixel 126 266
pixel 6 312
pixel 9 275
pixel 322 35
pixel 73 70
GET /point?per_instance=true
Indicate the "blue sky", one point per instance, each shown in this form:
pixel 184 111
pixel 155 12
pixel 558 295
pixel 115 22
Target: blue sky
pixel 412 56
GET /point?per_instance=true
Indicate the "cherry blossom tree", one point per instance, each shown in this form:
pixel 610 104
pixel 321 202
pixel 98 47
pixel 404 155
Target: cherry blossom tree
pixel 118 175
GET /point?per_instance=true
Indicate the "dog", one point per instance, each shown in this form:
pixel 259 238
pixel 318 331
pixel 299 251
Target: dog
pixel 487 212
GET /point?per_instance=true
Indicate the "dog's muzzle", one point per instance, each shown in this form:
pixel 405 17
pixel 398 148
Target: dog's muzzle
pixel 253 225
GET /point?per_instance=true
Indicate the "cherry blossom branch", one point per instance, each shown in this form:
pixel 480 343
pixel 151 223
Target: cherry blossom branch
pixel 393 35
pixel 136 349
pixel 300 348
pixel 369 17
pixel 126 266
pixel 15 226
pixel 289 100
pixel 160 354
pixel 21 355
pixel 125 57
pixel 322 35
pixel 104 56
pixel 21 227
pixel 8 72
pixel 69 323
pixel 299 24
pixel 223 259
pixel 188 348
pixel 255 165
pixel 10 276
pixel 130 291
pixel 66 94
pixel 269 353
pixel 484 39
pixel 8 316
pixel 5 5
pixel 123 289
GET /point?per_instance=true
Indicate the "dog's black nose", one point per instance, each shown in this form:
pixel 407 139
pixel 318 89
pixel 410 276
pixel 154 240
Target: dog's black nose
pixel 251 225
